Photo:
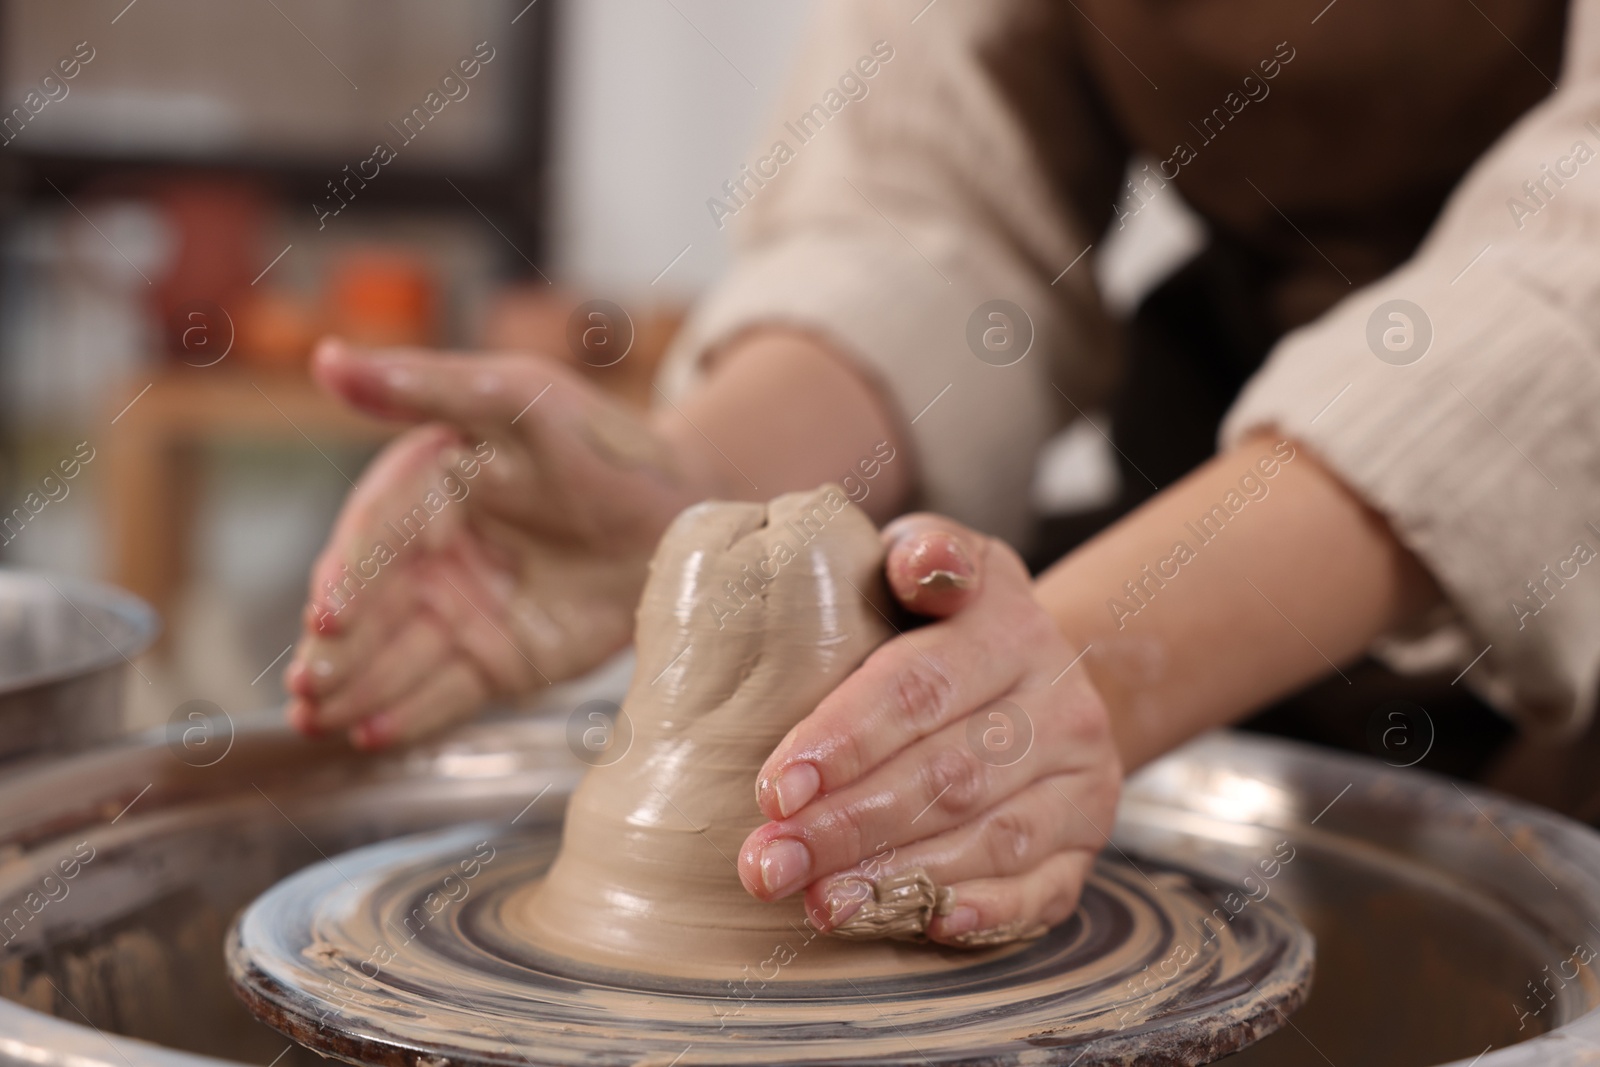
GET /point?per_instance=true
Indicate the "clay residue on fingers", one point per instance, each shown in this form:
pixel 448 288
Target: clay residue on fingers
pixel 938 581
pixel 1004 934
pixel 898 906
pixel 901 906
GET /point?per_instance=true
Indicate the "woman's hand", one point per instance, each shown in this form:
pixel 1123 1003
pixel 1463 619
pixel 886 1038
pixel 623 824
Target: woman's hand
pixel 498 547
pixel 971 748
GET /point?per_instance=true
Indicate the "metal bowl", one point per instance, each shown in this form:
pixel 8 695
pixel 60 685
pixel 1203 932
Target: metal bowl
pixel 1437 909
pixel 65 647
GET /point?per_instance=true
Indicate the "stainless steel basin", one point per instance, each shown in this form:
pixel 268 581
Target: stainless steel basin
pixel 65 646
pixel 1437 909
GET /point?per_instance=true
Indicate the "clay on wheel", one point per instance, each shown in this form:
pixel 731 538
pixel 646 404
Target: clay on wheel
pixel 637 944
pixel 751 615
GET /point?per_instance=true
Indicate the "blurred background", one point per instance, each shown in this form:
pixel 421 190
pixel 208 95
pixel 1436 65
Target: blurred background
pixel 192 192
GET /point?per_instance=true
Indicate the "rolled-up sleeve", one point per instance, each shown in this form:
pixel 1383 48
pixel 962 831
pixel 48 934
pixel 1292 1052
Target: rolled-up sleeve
pixel 890 221
pixel 1469 415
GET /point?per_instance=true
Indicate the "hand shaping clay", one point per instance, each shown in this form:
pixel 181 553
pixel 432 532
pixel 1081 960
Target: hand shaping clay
pixel 898 905
pixel 751 615
pixel 640 946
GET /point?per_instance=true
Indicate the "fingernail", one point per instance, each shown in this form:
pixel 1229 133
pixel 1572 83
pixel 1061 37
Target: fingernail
pixel 321 669
pixel 375 731
pixel 327 348
pixel 297 679
pixel 795 787
pixel 953 568
pixel 844 899
pixel 303 718
pixel 962 920
pixel 785 866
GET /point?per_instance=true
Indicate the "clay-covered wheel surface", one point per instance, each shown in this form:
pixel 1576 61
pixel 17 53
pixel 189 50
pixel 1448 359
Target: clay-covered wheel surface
pixel 397 953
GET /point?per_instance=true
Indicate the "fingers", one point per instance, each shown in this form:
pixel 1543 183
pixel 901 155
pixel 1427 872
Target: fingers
pixel 577 488
pixel 462 592
pixel 444 609
pixel 325 658
pixel 901 756
pixel 359 600
pixel 914 685
pixel 482 393
pixel 379 509
pixel 450 693
pixel 1011 838
pixel 395 669
pixel 992 911
pixel 931 563
pixel 938 783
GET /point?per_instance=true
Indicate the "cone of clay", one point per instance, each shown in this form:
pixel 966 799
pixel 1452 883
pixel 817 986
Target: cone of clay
pixel 751 615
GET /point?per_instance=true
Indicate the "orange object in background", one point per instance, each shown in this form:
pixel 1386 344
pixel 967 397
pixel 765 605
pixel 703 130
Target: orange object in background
pixel 277 329
pixel 379 297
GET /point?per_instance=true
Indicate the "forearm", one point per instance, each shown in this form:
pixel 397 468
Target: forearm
pixel 780 411
pixel 1257 602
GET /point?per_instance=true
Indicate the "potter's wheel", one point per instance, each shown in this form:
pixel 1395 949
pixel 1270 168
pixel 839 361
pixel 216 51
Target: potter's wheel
pixel 626 939
pixel 1429 923
pixel 395 954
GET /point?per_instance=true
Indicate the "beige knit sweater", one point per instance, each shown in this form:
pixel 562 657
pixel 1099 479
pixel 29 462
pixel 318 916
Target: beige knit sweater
pixel 927 159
